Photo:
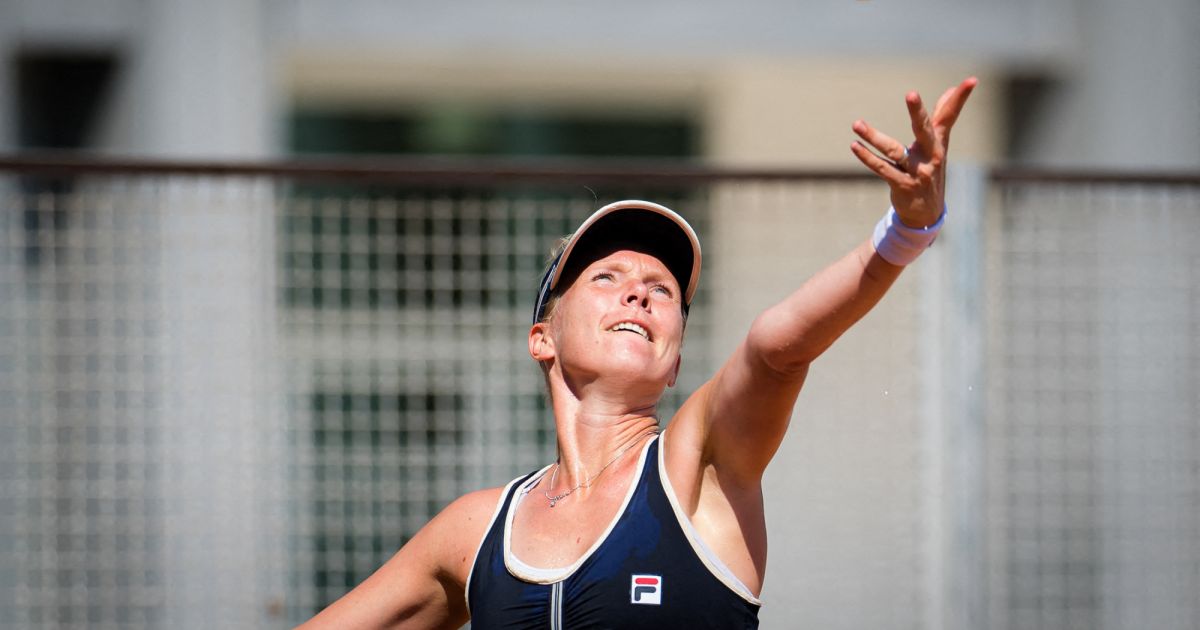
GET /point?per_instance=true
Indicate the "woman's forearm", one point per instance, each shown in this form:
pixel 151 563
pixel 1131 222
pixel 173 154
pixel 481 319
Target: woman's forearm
pixel 794 332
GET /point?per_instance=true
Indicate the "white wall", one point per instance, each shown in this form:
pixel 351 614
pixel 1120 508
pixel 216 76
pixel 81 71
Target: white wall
pixel 1129 93
pixel 193 79
pixel 197 83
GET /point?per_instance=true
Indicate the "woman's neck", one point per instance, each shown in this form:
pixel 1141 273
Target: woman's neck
pixel 598 421
pixel 591 443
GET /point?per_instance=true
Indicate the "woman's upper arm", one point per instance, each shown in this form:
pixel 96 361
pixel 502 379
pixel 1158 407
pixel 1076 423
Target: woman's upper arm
pixel 743 412
pixel 738 419
pixel 423 585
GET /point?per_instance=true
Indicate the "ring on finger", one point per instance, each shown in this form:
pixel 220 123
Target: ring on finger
pixel 902 163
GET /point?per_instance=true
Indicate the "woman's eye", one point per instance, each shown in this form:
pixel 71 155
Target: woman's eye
pixel 662 290
pixel 603 275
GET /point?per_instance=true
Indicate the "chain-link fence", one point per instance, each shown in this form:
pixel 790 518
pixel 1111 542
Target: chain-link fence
pixel 229 395
pixel 1093 426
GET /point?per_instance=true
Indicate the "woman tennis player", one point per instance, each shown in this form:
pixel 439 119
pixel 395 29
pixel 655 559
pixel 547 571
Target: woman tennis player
pixel 636 526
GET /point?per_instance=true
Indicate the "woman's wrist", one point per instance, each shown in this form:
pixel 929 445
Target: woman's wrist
pixel 901 244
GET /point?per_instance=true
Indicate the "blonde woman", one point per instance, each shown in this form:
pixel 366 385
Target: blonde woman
pixel 636 526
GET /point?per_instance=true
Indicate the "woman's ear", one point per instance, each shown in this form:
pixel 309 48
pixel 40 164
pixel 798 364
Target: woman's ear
pixel 541 344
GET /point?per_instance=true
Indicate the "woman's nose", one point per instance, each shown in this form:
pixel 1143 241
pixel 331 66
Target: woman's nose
pixel 637 293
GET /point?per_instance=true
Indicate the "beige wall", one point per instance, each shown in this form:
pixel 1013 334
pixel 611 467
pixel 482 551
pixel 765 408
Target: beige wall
pixel 774 113
pixel 753 112
pixel 389 78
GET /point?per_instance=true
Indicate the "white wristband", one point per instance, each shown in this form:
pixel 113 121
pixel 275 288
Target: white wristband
pixel 899 244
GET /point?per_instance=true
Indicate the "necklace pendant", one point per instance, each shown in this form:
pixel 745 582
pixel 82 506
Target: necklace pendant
pixel 553 501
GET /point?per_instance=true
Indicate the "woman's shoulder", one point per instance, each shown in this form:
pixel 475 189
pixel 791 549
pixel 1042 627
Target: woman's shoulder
pixel 471 511
pixel 458 529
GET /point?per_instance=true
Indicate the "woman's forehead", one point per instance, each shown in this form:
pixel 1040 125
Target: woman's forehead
pixel 629 260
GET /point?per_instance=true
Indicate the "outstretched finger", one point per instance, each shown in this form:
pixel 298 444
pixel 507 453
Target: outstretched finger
pixel 921 125
pixel 885 144
pixel 885 169
pixel 941 102
pixel 951 104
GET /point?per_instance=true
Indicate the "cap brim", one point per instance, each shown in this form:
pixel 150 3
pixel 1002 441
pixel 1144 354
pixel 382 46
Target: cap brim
pixel 631 224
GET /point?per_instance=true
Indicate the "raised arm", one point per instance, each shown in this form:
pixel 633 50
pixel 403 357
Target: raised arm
pixel 738 419
pixel 424 584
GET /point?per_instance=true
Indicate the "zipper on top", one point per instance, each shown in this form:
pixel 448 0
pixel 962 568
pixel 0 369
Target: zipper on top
pixel 556 606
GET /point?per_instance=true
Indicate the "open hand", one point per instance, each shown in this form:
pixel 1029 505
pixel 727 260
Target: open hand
pixel 916 173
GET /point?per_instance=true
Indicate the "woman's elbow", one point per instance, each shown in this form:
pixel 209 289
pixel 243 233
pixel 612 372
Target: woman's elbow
pixel 781 345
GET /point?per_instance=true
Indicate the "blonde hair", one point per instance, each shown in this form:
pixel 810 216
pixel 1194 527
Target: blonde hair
pixel 552 299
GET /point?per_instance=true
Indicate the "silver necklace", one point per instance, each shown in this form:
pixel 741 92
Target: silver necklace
pixel 588 484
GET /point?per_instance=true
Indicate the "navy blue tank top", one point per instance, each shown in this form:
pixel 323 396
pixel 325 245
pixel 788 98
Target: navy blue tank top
pixel 650 570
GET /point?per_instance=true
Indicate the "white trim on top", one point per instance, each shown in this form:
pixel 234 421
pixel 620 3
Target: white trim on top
pixel 703 552
pixel 488 529
pixel 540 575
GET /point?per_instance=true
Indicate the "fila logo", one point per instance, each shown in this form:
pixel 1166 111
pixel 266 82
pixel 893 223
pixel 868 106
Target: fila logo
pixel 646 589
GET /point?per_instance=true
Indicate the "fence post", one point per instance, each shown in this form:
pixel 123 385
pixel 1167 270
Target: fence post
pixel 222 445
pixel 951 360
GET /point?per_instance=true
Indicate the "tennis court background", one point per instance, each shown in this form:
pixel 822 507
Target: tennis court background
pixel 228 398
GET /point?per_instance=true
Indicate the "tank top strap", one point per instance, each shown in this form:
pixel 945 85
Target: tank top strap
pixel 494 534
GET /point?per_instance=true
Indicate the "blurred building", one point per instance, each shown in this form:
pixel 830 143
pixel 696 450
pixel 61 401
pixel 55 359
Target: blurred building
pixel 1066 83
pixel 233 522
